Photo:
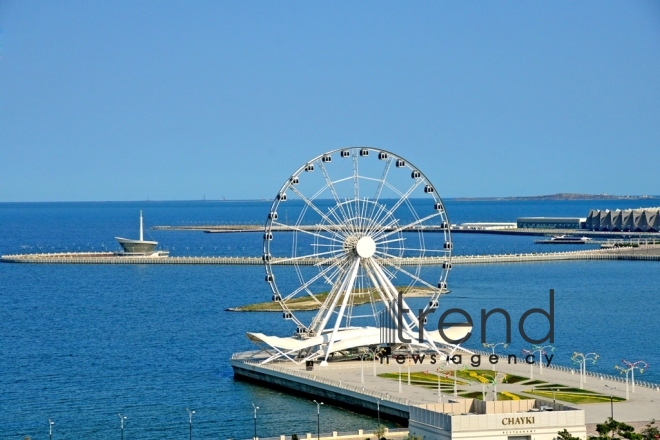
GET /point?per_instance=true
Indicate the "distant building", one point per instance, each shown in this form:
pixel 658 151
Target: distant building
pixel 470 419
pixel 632 220
pixel 486 225
pixel 552 222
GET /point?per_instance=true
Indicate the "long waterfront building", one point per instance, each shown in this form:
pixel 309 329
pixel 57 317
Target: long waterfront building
pixel 633 220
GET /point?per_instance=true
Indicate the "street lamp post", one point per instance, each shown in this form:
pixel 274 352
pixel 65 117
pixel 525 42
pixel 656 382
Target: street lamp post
pixel 581 358
pixel 541 350
pixel 190 415
pixel 121 425
pixel 400 390
pixel 50 429
pixel 630 368
pixel 531 365
pixel 362 367
pixel 611 400
pixel 494 381
pixel 493 347
pixel 318 419
pixel 255 420
pixel 374 352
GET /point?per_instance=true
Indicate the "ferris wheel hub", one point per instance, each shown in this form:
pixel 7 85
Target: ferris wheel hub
pixel 365 247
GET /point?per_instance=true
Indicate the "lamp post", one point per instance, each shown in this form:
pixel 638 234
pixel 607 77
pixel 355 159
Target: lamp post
pixel 190 415
pixel 408 366
pixel 121 425
pixel 50 429
pixel 541 350
pixel 362 367
pixel 531 365
pixel 374 352
pixel 630 368
pixel 318 420
pixel 581 358
pixel 493 347
pixel 255 420
pixel 400 390
pixel 494 381
pixel 439 392
pixel 611 400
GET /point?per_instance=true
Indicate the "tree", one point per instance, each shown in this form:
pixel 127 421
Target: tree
pixel 650 432
pixel 565 435
pixel 294 437
pixel 380 432
pixel 612 429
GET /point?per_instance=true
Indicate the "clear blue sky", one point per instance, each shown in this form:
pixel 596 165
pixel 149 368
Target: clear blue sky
pixel 124 100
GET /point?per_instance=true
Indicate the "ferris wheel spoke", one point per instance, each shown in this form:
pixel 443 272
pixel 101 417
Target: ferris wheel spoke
pixel 356 186
pixel 313 206
pixel 442 251
pixel 383 179
pixel 391 241
pixel 331 186
pixel 404 196
pixel 305 231
pixel 312 280
pixel 407 226
pixel 308 256
pixel 353 215
pixel 414 277
pixel 377 219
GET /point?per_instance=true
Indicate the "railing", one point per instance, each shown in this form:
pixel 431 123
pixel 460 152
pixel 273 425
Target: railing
pixel 110 258
pixel 384 397
pixel 603 376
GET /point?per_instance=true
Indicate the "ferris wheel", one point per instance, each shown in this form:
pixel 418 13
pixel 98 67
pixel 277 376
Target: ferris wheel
pixel 348 232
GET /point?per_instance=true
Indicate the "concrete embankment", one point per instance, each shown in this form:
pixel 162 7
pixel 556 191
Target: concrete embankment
pixel 219 229
pixel 307 384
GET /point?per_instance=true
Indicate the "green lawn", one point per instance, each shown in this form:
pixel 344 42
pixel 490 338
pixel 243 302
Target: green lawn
pixel 429 380
pixel 535 382
pixel 484 376
pixel 574 397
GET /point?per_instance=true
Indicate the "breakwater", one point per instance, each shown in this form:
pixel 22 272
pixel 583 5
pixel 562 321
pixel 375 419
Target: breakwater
pixel 224 228
pixel 650 253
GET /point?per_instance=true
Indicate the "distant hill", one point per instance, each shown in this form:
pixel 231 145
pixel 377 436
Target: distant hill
pixel 563 196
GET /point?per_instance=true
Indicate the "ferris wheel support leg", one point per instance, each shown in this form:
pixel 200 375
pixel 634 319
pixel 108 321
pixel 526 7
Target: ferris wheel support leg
pixel 347 294
pixel 386 296
pixel 391 310
pixel 330 310
pixel 410 314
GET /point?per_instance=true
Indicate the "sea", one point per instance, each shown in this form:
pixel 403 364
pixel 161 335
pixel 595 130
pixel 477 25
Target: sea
pixel 80 344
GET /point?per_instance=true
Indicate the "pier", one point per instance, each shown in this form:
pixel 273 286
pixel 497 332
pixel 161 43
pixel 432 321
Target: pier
pixel 237 228
pixel 359 386
pixel 641 253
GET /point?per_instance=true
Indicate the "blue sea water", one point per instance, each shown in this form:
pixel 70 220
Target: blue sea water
pixel 79 343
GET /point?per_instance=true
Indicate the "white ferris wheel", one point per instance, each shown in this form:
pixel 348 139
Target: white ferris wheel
pixel 347 233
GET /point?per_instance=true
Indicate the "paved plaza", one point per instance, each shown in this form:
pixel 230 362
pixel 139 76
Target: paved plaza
pixel 643 405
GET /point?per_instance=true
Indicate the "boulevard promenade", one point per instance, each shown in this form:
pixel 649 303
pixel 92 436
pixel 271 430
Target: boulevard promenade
pixel 345 379
pixel 641 253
